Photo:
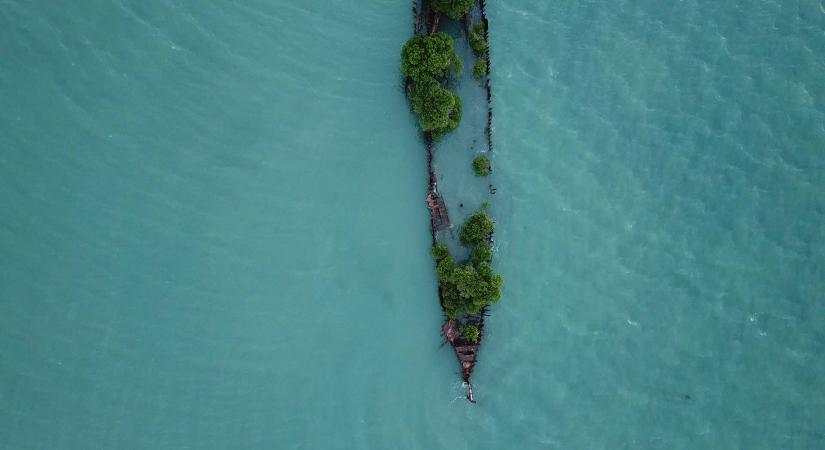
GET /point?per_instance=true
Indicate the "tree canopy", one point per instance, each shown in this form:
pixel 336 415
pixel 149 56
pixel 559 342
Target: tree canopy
pixel 470 286
pixel 440 251
pixel 426 59
pixel 439 110
pixel 454 9
pixel 467 287
pixel 430 56
pixel 477 228
pixel 482 252
pixel 482 166
pixel 477 41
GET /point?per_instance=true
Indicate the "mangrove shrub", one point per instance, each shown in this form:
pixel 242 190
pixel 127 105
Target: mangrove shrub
pixel 430 56
pixel 477 286
pixel 482 166
pixel 480 67
pixel 470 332
pixel 477 41
pixel 454 9
pixel 481 253
pixel 440 251
pixel 477 228
pixel 472 285
pixel 480 48
pixel 439 110
pixel 467 288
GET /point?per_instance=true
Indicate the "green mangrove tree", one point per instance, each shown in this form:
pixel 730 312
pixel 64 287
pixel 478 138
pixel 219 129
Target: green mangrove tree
pixel 430 56
pixel 454 9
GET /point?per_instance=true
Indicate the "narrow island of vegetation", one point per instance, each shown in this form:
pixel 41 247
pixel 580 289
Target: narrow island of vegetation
pixel 431 64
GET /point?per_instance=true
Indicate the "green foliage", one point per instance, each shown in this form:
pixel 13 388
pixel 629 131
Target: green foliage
pixel 482 252
pixel 425 59
pixel 439 110
pixel 477 228
pixel 467 287
pixel 477 41
pixel 477 286
pixel 454 9
pixel 470 286
pixel 452 300
pixel 454 119
pixel 478 44
pixel 480 67
pixel 445 268
pixel 480 47
pixel 470 332
pixel 482 166
pixel 429 56
pixel 440 251
pixel 486 205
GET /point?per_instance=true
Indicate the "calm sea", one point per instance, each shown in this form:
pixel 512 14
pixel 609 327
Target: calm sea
pixel 213 232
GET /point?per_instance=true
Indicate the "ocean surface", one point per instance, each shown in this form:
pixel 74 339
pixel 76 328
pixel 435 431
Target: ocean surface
pixel 213 230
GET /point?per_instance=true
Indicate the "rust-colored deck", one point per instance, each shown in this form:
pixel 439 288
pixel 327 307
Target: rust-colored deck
pixel 438 211
pixel 465 351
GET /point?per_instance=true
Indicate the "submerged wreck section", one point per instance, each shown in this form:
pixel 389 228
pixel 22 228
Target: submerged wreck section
pixel 439 219
pixel 465 351
pixel 438 212
pixel 432 63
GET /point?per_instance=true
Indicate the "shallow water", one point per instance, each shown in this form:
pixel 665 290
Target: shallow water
pixel 213 231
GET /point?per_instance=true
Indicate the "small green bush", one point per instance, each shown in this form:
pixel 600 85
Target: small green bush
pixel 454 9
pixel 480 48
pixel 477 228
pixel 430 56
pixel 477 41
pixel 482 166
pixel 480 67
pixel 470 332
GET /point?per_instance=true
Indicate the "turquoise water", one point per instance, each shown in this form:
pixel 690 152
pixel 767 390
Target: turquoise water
pixel 213 231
